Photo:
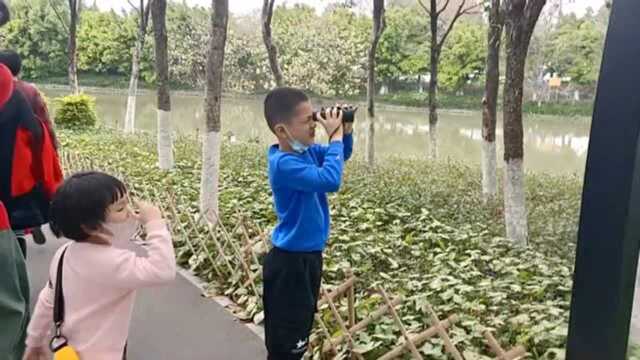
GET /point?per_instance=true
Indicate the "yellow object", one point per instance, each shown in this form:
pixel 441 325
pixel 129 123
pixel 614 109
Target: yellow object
pixel 555 82
pixel 66 353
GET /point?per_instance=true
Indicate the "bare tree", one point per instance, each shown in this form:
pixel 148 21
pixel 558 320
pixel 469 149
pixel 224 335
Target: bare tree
pixel 520 20
pixel 72 31
pixel 143 20
pixel 435 9
pixel 272 50
pixel 376 33
pixel 490 102
pixel 165 140
pixel 213 100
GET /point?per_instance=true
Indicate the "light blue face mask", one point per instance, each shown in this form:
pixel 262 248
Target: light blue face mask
pixel 296 145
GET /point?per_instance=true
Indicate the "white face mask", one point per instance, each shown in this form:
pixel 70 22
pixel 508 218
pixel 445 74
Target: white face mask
pixel 123 231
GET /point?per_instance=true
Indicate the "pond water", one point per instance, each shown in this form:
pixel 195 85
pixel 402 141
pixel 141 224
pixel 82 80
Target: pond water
pixel 552 144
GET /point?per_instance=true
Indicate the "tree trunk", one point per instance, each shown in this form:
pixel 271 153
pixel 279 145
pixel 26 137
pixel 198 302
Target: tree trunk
pixel 272 50
pixel 433 106
pixel 165 140
pixel 521 17
pixel 213 98
pixel 436 44
pixel 74 12
pixel 130 116
pixel 489 104
pixel 434 52
pixel 514 196
pixel 378 28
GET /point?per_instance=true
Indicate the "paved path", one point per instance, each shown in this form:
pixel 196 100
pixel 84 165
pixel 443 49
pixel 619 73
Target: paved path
pixel 173 322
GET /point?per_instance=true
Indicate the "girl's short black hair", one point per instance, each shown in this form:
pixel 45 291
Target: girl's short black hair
pixel 80 204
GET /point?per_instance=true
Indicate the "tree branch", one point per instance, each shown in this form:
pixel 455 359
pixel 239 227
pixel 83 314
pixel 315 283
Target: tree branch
pixel 378 34
pixel 499 13
pixel 444 7
pixel 532 11
pixel 145 16
pixel 459 13
pixel 426 9
pixel 471 10
pixel 267 11
pixel 55 10
pixel 383 22
pixel 133 6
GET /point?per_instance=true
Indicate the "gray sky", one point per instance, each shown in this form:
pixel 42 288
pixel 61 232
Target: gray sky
pixel 247 6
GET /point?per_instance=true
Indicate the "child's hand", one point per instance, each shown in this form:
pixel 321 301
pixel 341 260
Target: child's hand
pixel 36 353
pixel 347 126
pixel 332 124
pixel 148 212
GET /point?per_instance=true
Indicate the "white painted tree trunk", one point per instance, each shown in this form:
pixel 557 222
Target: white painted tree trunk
pixel 165 140
pixel 370 146
pixel 433 141
pixel 515 212
pixel 489 164
pixel 210 176
pixel 130 116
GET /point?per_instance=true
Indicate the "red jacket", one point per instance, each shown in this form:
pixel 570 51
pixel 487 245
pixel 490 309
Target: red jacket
pixel 30 170
pixel 38 106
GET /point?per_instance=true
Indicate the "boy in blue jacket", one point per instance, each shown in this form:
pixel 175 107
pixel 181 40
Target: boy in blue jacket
pixel 301 174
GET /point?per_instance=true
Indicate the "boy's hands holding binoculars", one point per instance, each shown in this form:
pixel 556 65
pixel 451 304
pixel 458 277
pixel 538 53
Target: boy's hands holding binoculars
pixel 337 120
pixel 332 123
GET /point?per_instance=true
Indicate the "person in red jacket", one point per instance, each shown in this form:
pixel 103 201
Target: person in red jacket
pixel 13 61
pixel 30 170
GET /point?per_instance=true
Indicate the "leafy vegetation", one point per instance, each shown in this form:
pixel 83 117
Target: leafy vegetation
pixel 471 100
pixel 420 229
pixel 76 111
pixel 464 56
pixel 576 49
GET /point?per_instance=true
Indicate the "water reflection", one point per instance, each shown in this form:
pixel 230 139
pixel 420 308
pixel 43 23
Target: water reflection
pixel 552 144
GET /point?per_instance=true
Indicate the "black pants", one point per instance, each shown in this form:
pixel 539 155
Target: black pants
pixel 291 287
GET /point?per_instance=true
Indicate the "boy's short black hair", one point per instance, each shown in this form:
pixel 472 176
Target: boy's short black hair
pixel 280 104
pixel 80 204
pixel 12 60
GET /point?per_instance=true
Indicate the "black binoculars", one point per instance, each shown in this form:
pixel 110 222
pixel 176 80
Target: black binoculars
pixel 348 113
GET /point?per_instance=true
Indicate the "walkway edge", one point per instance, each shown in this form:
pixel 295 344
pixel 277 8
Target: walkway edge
pixel 223 301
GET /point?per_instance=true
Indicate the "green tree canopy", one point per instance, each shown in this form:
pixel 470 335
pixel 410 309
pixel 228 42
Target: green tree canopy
pixel 403 49
pixel 37 34
pixel 576 49
pixel 463 56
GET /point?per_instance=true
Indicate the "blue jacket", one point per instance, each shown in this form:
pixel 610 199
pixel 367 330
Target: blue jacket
pixel 300 183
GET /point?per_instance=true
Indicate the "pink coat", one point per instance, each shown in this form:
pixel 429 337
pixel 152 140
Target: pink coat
pixel 99 284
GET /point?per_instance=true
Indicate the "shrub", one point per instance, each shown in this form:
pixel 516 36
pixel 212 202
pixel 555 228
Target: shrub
pixel 76 111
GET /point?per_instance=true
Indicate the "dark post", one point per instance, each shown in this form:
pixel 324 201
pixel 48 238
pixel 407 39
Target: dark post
pixel 609 235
